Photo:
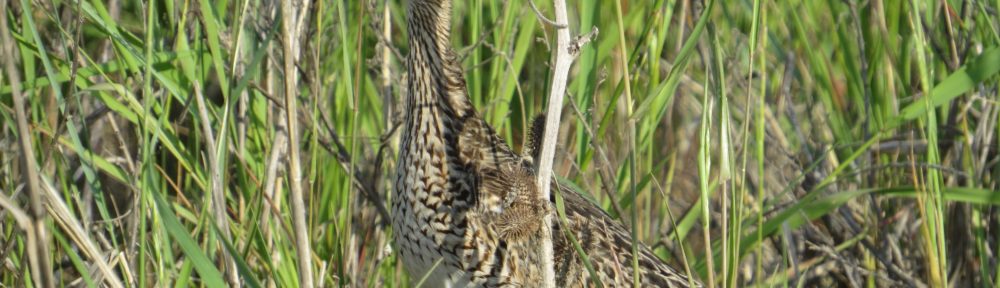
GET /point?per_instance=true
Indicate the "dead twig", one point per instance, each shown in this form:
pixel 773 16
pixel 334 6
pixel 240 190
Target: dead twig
pixel 558 25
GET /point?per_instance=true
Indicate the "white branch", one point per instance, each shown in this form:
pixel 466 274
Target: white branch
pixel 564 59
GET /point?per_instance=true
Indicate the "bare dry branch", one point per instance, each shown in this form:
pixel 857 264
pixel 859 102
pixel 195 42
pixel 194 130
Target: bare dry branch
pixel 564 59
pixel 559 25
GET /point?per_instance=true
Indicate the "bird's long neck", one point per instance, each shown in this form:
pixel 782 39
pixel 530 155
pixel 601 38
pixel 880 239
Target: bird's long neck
pixel 436 80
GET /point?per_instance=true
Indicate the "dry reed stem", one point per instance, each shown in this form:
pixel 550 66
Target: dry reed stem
pixel 217 197
pixel 38 251
pixel 290 19
pixel 69 223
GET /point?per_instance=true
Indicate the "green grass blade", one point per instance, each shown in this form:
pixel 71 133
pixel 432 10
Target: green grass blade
pixel 210 276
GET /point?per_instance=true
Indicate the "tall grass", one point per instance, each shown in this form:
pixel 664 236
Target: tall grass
pixel 754 143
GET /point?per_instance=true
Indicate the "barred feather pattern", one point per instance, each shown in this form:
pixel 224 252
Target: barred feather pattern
pixel 465 207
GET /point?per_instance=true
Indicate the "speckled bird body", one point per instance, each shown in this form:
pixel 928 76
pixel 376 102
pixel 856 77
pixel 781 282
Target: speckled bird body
pixel 466 209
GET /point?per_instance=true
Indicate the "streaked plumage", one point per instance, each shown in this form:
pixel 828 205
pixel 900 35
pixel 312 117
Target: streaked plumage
pixel 465 205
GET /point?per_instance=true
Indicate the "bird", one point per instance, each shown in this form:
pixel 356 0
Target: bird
pixel 466 210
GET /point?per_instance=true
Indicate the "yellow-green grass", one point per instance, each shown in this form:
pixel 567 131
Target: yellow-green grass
pixel 679 114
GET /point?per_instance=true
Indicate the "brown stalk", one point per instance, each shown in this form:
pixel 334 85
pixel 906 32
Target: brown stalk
pixel 38 252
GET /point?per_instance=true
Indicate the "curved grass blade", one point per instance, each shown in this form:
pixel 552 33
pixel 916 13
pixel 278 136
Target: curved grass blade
pixel 210 276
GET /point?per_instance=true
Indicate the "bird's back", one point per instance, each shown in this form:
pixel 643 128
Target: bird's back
pixel 608 246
